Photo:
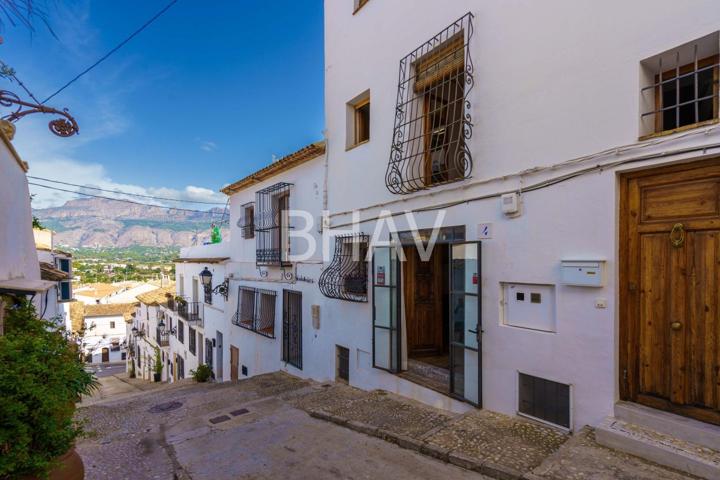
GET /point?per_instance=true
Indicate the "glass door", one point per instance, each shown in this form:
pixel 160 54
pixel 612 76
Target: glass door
pixel 386 308
pixel 465 322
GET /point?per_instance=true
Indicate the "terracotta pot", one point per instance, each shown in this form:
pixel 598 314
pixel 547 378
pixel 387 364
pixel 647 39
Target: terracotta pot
pixel 70 467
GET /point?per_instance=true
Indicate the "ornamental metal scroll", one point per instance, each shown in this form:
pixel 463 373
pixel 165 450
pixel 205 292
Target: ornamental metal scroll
pixel 433 120
pixel 65 126
pixel 346 278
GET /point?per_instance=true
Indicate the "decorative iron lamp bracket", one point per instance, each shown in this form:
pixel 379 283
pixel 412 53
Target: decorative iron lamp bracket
pixel 223 289
pixel 62 127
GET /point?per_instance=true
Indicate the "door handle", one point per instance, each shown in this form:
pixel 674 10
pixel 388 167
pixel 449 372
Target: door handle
pixel 676 326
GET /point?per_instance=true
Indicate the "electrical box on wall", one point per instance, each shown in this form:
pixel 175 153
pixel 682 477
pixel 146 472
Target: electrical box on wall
pixel 529 306
pixel 582 273
pixel 510 203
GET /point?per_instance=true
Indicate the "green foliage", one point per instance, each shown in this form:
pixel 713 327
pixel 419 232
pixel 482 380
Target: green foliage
pixel 202 374
pixel 158 368
pixel 41 378
pixel 36 223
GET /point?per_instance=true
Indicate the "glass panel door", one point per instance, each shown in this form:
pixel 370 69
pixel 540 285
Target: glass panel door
pixel 386 308
pixel 465 322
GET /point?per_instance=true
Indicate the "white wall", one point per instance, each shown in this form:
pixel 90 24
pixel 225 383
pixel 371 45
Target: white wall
pixel 553 81
pixel 18 258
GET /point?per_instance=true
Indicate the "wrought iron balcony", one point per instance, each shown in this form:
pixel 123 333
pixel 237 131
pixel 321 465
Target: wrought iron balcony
pixel 346 277
pixel 191 312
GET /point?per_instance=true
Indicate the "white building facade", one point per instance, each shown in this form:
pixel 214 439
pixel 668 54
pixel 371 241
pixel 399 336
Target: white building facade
pixel 105 332
pixel 546 289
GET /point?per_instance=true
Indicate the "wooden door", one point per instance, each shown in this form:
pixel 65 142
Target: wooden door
pixel 234 362
pixel 424 290
pixel 670 268
pixel 105 355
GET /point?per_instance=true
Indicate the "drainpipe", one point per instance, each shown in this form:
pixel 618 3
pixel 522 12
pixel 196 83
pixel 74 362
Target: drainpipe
pixel 325 180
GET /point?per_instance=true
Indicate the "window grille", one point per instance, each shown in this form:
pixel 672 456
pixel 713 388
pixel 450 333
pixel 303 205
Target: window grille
pixel 256 311
pixel 346 277
pixel 191 340
pixel 247 220
pixel 271 225
pixel 433 119
pixel 681 88
pixel 181 331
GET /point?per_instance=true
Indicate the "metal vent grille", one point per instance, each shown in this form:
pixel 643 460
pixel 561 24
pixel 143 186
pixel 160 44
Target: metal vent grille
pixel 545 400
pixel 346 277
pixel 433 118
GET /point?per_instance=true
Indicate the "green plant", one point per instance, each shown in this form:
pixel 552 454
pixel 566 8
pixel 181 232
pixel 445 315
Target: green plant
pixel 158 368
pixel 180 300
pixel 41 378
pixel 202 374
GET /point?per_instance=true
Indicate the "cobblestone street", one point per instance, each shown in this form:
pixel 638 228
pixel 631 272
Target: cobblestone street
pixel 278 426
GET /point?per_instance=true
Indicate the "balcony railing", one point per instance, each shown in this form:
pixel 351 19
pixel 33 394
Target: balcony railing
pixel 191 312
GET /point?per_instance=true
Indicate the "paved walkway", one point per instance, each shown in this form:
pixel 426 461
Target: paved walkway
pixel 278 426
pixel 235 431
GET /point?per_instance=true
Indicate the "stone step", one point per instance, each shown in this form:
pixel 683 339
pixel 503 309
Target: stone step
pixel 680 427
pixel 660 448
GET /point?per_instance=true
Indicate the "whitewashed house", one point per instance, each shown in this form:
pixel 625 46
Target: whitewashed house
pixel 104 331
pixel 19 268
pixel 570 152
pixel 56 266
pixel 148 332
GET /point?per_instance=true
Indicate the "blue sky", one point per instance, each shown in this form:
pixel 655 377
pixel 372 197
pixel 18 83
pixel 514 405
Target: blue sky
pixel 205 95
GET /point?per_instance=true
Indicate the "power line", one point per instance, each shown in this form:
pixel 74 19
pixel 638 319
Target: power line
pixel 127 201
pixel 118 47
pixel 128 193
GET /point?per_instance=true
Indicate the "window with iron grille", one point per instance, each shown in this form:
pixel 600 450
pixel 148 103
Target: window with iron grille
pixel 681 87
pixel 272 242
pixel 181 331
pixel 256 310
pixel 247 220
pixel 191 340
pixel 544 399
pixel 346 277
pixel 433 119
pixel 207 290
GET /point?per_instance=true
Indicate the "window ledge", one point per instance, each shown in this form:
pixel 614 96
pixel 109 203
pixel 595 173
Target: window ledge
pixel 685 128
pixel 351 147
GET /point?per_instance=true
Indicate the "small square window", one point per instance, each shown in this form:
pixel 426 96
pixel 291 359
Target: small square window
pixel 520 296
pixel 535 298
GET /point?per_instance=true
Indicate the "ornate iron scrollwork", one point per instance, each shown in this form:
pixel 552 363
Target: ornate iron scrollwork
pixel 346 277
pixel 433 119
pixel 62 127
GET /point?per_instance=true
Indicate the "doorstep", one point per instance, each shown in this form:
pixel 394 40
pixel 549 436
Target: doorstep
pixel 677 442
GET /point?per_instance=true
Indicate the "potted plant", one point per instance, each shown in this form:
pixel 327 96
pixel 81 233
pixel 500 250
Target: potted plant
pixel 158 367
pixel 41 378
pixel 202 374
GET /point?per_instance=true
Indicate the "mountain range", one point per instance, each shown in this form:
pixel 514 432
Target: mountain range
pixel 97 222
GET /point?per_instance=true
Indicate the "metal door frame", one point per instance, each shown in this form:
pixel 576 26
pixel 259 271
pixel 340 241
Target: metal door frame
pixel 286 328
pixel 478 332
pixel 398 312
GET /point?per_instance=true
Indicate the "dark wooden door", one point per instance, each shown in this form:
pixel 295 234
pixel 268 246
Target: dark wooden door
pixel 670 330
pixel 234 362
pixel 105 355
pixel 424 290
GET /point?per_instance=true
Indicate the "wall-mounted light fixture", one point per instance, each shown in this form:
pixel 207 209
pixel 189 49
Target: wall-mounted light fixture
pixel 221 289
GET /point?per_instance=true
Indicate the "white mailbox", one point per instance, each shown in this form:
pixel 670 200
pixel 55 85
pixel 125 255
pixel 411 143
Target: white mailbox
pixel 583 273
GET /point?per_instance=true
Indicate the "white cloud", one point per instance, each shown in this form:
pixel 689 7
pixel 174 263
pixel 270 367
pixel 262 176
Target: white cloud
pixel 208 146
